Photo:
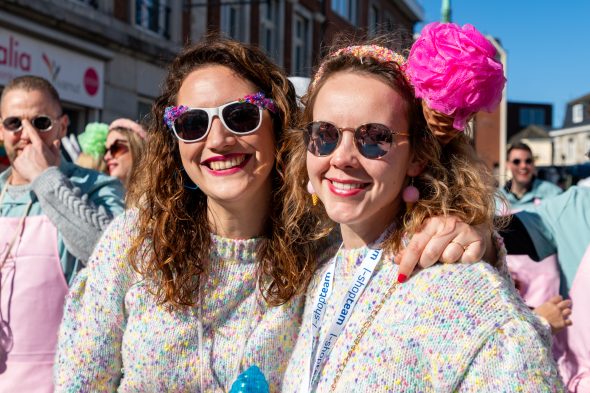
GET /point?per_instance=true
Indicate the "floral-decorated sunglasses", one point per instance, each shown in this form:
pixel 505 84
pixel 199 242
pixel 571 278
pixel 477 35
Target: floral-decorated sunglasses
pixel 241 117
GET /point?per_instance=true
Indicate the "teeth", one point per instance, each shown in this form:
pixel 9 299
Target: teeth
pixel 226 164
pixel 346 186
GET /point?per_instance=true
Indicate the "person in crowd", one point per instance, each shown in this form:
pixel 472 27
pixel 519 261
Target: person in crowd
pixel 377 132
pixel 92 147
pixel 52 213
pixel 561 225
pixel 524 189
pixel 124 146
pixel 200 281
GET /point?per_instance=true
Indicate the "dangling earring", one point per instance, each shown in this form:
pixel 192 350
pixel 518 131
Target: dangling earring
pixel 187 181
pixel 314 197
pixel 410 195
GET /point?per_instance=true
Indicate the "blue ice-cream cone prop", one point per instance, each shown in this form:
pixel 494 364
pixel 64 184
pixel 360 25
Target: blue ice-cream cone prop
pixel 250 381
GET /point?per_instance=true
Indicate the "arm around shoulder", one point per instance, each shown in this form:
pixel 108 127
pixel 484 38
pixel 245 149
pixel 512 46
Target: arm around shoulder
pixel 79 216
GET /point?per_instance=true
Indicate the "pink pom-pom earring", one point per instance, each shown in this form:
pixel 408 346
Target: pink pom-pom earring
pixel 410 195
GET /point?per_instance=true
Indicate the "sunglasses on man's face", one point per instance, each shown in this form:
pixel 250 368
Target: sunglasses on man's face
pixel 117 149
pixel 42 123
pixel 373 140
pixel 241 117
pixel 517 161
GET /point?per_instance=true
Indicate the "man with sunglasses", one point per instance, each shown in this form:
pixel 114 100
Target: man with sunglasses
pixel 52 212
pixel 524 189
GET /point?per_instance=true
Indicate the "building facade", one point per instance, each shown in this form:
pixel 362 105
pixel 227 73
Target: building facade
pixel 572 142
pixel 107 58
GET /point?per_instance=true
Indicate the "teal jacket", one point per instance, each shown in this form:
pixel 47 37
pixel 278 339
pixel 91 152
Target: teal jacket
pixel 561 224
pixel 540 189
pixel 80 202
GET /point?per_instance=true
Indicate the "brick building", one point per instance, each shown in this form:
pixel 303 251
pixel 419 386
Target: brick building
pixel 107 58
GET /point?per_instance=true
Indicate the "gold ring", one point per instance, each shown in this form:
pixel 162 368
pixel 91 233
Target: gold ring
pixel 460 245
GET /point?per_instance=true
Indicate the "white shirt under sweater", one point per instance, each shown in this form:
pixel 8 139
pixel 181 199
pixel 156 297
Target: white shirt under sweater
pixel 457 327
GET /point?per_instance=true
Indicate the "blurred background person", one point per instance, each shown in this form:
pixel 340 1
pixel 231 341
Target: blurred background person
pixel 525 189
pixel 92 145
pixel 124 146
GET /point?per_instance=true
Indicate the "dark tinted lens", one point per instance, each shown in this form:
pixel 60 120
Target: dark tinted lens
pixel 42 123
pixel 12 123
pixel 241 117
pixel 192 125
pixel 374 140
pixel 118 148
pixel 322 138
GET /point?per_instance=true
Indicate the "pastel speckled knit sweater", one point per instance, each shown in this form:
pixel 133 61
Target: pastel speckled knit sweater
pixel 449 328
pixel 114 337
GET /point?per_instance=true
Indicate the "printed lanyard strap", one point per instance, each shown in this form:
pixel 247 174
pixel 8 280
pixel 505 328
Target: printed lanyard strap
pixel 360 281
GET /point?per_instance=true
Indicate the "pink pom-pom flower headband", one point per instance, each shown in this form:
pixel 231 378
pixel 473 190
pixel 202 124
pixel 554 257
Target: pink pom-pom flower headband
pixel 452 69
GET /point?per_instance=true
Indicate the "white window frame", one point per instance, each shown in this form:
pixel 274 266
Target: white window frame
pixel 241 24
pixel 373 19
pixel 141 6
pixel 274 49
pixel 578 113
pixel 305 43
pixel 347 9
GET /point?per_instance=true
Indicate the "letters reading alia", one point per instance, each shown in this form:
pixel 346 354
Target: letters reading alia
pixel 11 57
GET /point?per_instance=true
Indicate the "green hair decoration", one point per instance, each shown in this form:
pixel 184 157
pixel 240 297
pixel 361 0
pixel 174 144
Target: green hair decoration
pixel 92 140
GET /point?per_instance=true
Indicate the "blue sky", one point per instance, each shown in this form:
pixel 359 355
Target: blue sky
pixel 546 43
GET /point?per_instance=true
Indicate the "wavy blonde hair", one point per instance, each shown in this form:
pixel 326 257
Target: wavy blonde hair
pixel 174 235
pixel 454 180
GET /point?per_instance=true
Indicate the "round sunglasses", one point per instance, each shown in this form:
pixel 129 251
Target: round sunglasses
pixel 42 123
pixel 373 140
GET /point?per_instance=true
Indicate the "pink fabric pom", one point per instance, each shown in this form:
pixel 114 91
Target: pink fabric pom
pixel 454 70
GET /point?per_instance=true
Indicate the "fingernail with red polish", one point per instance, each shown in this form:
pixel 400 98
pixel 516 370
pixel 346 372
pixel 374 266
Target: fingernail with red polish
pixel 401 278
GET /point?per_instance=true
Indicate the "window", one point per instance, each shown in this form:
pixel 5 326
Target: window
pixel 578 113
pixel 153 15
pixel 528 116
pixel 389 22
pixel 270 20
pixel 346 9
pixel 91 3
pixel 373 20
pixel 234 17
pixel 301 45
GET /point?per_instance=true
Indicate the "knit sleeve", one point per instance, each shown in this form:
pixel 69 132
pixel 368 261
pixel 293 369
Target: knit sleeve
pixel 515 358
pixel 79 217
pixel 89 346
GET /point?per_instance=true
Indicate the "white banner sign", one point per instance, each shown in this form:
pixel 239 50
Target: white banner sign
pixel 78 79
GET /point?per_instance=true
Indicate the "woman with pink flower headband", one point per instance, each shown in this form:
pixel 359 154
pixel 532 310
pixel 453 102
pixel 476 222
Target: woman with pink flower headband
pixel 124 147
pixel 379 131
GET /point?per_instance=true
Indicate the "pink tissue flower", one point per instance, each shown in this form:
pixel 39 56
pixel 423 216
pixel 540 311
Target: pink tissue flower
pixel 454 70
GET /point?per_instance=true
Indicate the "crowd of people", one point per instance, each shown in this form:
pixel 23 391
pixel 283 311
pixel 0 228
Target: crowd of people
pixel 249 240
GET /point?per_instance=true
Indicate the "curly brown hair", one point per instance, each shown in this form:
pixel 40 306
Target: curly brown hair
pixel 454 180
pixel 174 235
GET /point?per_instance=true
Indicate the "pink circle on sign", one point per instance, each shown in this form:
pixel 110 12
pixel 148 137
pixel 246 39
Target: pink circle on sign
pixel 91 81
